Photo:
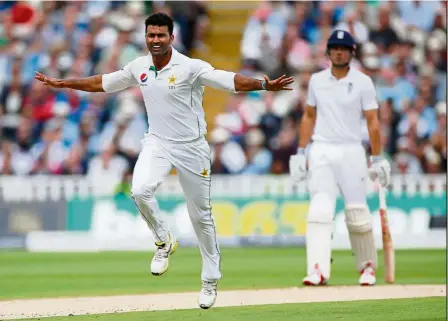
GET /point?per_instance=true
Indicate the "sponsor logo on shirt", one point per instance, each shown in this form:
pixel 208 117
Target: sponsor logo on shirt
pixel 143 79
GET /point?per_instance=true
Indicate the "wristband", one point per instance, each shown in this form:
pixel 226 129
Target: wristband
pixel 376 158
pixel 263 85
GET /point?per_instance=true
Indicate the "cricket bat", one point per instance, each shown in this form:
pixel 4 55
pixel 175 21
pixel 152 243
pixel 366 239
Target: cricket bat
pixel 388 247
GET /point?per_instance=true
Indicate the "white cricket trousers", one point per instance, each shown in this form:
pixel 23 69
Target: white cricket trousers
pixel 192 161
pixel 331 167
pixel 342 167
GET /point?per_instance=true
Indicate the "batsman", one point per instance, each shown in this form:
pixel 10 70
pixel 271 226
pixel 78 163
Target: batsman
pixel 338 98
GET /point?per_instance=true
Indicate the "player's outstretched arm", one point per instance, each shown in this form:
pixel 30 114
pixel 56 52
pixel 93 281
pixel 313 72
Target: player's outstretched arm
pixel 243 83
pixel 90 84
pixel 206 75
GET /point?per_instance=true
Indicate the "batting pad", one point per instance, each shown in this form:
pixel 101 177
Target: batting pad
pixel 359 225
pixel 318 233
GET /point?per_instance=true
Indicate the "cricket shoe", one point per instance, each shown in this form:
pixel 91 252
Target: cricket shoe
pixel 367 275
pixel 208 294
pixel 161 260
pixel 315 278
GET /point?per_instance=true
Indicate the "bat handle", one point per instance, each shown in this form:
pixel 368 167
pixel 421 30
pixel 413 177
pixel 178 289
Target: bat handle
pixel 382 196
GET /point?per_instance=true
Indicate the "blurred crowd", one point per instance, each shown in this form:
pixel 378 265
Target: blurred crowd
pixel 400 44
pixel 64 132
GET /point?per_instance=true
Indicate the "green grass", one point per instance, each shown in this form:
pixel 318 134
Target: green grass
pixel 37 275
pixel 425 309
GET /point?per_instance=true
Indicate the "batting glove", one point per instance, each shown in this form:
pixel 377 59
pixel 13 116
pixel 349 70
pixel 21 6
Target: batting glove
pixel 380 169
pixel 297 166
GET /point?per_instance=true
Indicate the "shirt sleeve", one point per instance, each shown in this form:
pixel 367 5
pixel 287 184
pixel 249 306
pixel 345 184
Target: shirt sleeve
pixel 205 75
pixel 311 99
pixel 119 80
pixel 368 96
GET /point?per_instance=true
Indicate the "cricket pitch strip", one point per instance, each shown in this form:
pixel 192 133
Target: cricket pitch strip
pixel 20 309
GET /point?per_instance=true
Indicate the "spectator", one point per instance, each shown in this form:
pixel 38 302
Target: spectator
pixel 263 32
pixel 395 87
pixel 193 20
pixel 125 131
pixel 384 36
pixel 73 164
pixel 12 103
pixel 420 116
pixel 50 153
pixel 22 161
pixel 227 156
pixel 404 161
pixel 259 158
pixel 419 14
pixel 284 145
pixel 108 167
pixel 355 26
pixel 323 24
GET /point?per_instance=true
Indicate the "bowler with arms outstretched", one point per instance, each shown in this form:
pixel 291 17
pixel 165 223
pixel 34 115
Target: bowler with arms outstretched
pixel 172 85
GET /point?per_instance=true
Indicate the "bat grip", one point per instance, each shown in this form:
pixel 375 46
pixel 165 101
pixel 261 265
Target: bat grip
pixel 382 197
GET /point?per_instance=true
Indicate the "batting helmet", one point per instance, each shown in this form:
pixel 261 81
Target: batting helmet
pixel 341 38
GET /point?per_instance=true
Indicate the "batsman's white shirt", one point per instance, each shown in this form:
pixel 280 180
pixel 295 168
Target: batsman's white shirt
pixel 173 95
pixel 176 138
pixel 340 104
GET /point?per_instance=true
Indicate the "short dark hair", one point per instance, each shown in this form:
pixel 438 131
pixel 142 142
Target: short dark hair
pixel 160 19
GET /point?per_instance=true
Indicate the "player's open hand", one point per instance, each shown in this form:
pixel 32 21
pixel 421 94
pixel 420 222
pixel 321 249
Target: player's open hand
pixel 281 83
pixel 52 82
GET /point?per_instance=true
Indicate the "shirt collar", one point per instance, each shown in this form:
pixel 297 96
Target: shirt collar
pixel 175 59
pixel 345 79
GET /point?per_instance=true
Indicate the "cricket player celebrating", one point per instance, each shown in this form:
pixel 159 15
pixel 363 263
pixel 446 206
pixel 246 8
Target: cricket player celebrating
pixel 172 86
pixel 337 99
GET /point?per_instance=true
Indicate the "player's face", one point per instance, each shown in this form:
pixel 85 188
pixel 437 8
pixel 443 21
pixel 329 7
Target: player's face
pixel 340 56
pixel 158 40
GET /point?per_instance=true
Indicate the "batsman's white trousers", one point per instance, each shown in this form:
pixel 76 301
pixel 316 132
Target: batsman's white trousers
pixel 342 167
pixel 192 162
pixel 331 167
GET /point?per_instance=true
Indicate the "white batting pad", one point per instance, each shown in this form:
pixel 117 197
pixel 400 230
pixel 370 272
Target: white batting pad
pixel 359 225
pixel 318 233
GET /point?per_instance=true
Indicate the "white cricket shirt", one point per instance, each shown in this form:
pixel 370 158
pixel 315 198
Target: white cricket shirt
pixel 173 95
pixel 340 105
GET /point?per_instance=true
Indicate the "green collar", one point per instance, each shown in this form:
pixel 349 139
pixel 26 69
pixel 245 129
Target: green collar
pixel 153 69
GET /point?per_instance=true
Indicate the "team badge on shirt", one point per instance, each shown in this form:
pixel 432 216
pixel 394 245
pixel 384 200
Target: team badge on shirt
pixel 143 79
pixel 172 82
pixel 350 87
